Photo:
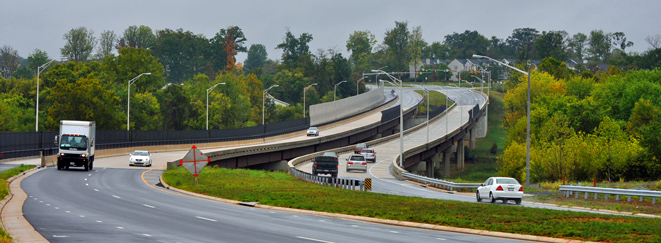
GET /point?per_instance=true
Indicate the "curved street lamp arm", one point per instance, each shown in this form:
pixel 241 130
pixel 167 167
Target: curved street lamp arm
pixel 502 63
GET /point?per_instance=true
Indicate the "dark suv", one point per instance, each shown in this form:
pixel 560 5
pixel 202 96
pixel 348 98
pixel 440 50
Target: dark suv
pixel 325 165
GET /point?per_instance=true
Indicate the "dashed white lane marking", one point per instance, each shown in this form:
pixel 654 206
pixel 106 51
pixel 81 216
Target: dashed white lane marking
pixel 87 184
pixel 207 219
pixel 67 211
pixel 396 232
pixel 115 196
pixel 440 239
pixel 85 178
pixel 96 189
pixel 60 236
pixel 148 235
pixel 355 226
pixel 47 204
pixel 57 207
pixel 99 221
pixel 41 201
pixel 311 239
pixel 119 227
pixel 89 175
pixel 82 216
pixel 149 206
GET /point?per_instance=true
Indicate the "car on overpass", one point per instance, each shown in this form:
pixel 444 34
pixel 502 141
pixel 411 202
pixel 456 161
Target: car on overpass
pixel 313 131
pixel 500 188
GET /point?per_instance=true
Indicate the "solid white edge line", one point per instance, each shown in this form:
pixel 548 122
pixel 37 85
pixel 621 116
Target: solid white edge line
pixel 312 239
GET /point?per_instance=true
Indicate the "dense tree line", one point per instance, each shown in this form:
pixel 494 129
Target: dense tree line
pixel 584 126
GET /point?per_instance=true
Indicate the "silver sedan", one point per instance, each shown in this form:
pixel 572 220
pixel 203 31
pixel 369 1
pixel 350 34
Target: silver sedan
pixel 356 162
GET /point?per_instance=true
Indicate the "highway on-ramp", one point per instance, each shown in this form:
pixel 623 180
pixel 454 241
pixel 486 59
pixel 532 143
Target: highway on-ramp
pixel 118 203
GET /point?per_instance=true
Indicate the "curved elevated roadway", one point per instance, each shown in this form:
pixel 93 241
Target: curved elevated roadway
pixel 117 203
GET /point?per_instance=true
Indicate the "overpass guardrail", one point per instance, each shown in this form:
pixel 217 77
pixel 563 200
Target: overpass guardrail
pixel 443 184
pixel 568 190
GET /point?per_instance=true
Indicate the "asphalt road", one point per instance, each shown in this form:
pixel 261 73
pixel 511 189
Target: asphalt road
pixel 117 205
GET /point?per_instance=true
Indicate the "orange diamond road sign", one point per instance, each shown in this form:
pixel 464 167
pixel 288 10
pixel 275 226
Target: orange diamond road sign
pixel 194 161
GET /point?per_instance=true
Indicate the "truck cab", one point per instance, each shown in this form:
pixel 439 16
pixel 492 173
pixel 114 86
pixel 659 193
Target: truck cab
pixel 76 144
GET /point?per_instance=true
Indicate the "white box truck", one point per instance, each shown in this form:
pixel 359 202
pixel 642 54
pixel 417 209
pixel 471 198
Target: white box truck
pixel 76 144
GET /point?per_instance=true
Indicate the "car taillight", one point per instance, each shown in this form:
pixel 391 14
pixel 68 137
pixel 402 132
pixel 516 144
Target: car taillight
pixel 521 188
pixel 364 163
pixel 500 188
pixel 316 165
pixel 350 163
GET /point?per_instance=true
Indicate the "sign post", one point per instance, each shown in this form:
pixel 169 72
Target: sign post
pixel 194 161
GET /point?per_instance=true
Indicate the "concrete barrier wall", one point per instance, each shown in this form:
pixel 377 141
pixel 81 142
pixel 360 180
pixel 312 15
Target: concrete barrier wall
pixel 331 111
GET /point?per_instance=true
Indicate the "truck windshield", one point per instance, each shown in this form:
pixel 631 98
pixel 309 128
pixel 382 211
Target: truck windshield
pixel 77 142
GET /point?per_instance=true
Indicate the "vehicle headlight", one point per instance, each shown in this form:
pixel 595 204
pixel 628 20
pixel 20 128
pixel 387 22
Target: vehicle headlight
pixel 61 154
pixel 83 155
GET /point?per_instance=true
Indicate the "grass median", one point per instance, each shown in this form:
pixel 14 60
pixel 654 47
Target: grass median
pixel 4 191
pixel 283 190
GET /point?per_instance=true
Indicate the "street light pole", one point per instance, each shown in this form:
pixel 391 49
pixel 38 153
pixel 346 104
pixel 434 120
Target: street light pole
pixel 264 97
pixel 426 92
pixel 357 82
pixel 527 113
pixel 401 115
pixel 209 91
pixel 128 105
pixel 45 65
pixel 334 89
pixel 306 89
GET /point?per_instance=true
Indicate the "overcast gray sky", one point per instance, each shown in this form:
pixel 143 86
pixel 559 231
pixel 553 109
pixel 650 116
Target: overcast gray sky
pixel 40 24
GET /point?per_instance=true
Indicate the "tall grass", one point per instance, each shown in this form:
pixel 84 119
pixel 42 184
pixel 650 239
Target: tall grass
pixel 4 191
pixel 280 189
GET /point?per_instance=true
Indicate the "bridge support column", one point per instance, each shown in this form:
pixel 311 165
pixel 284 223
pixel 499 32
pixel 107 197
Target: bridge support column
pixel 446 162
pixel 460 154
pixel 432 162
pixel 473 135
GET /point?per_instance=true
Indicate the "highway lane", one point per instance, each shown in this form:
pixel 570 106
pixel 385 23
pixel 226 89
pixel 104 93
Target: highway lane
pixel 384 182
pixel 116 205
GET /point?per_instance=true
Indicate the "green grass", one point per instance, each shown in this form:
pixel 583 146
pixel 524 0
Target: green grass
pixel 436 99
pixel 4 191
pixel 280 189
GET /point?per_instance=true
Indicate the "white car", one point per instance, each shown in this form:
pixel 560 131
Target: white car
pixel 313 131
pixel 500 188
pixel 140 157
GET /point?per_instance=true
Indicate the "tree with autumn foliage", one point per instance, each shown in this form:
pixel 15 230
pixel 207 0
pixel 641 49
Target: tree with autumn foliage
pixel 224 46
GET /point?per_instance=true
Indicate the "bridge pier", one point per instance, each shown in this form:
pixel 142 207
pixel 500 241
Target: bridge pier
pixel 432 162
pixel 473 134
pixel 482 126
pixel 446 161
pixel 460 154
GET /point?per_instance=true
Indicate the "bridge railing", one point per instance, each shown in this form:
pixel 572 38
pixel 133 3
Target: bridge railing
pixel 402 174
pixel 568 190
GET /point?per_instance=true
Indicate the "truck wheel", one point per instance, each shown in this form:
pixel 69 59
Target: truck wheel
pixel 87 166
pixel 59 166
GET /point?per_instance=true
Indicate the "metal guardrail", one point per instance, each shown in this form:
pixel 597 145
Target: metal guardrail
pixel 349 184
pixel 568 190
pixel 443 184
